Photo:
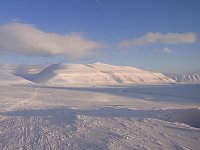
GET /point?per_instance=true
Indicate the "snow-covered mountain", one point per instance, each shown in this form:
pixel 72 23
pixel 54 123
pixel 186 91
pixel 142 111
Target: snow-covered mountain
pixel 7 78
pixel 95 74
pixel 22 69
pixel 188 77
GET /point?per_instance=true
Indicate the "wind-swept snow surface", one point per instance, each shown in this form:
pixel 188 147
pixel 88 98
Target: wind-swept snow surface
pixel 96 74
pixel 134 117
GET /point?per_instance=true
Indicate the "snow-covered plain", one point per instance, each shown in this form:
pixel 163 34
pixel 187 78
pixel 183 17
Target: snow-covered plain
pixel 98 116
pixel 131 117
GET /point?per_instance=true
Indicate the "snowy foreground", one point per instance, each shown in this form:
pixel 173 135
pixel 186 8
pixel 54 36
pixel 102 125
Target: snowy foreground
pixel 137 117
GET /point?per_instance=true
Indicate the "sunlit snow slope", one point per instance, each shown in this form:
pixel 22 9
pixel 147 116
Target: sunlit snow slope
pixel 96 74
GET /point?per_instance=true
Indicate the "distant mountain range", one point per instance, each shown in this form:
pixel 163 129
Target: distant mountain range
pixel 89 74
pixel 188 77
pixel 94 74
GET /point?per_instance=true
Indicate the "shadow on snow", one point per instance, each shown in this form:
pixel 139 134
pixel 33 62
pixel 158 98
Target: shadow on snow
pixel 68 116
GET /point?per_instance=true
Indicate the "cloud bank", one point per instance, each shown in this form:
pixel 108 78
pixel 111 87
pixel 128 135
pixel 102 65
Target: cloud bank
pixel 28 40
pixel 169 38
pixel 167 50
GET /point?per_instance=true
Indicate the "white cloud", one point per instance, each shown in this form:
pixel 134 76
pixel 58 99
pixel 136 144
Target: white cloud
pixel 28 40
pixel 167 50
pixel 169 38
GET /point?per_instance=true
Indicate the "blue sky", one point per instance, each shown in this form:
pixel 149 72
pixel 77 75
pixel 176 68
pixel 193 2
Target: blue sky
pixel 159 35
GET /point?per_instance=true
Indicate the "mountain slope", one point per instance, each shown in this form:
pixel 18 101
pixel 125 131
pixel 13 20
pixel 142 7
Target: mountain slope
pixel 188 77
pixel 9 79
pixel 95 74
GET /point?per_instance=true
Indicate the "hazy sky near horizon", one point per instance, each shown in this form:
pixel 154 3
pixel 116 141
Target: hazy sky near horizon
pixel 155 35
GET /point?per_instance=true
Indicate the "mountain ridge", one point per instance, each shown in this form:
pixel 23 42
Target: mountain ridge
pixel 186 77
pixel 95 74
